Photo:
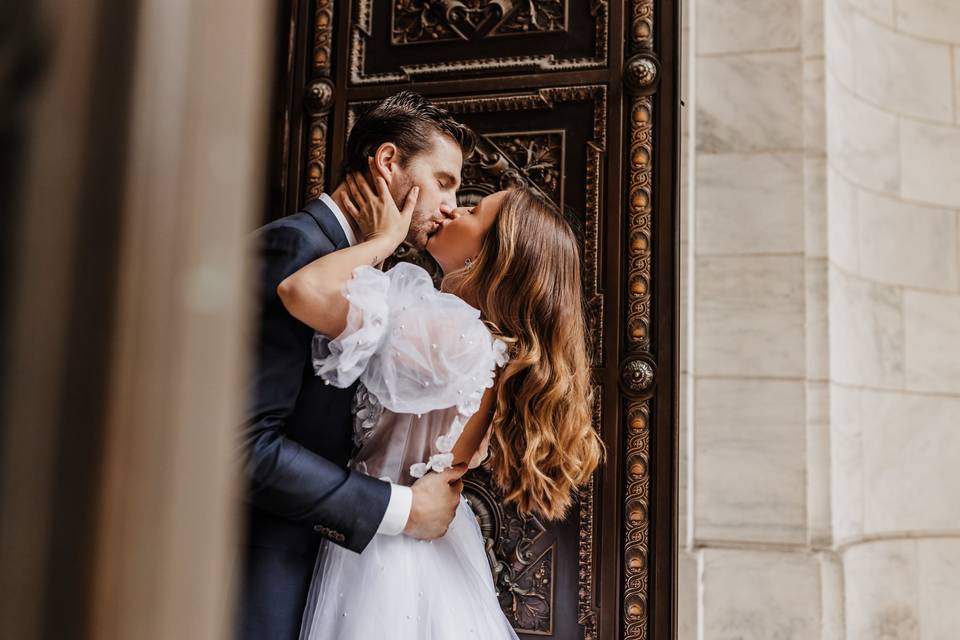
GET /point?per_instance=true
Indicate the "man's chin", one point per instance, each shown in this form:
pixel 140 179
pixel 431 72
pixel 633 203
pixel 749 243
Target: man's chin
pixel 419 242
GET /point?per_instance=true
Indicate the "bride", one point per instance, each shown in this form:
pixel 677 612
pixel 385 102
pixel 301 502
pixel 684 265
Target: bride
pixel 438 388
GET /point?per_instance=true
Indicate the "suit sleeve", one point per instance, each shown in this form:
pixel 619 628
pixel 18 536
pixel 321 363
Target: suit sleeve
pixel 285 478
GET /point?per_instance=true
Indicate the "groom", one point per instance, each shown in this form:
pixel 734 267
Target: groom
pixel 298 432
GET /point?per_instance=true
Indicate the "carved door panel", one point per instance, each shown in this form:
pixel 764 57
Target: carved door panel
pixel 577 99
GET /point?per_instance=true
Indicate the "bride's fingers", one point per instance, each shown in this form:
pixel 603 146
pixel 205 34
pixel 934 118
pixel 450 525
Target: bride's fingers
pixel 365 187
pixel 375 172
pixel 410 202
pixel 383 191
pixel 354 190
pixel 349 205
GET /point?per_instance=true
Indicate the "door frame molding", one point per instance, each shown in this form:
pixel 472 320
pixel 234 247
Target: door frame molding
pixel 636 546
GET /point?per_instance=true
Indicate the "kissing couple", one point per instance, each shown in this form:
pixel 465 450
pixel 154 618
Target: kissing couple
pixel 372 391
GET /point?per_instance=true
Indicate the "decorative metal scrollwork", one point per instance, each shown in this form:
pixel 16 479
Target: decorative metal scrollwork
pixel 319 100
pixel 521 555
pixel 417 21
pixel 641 74
pixel 640 78
pixel 532 159
pixel 636 376
pixel 427 21
pixel 319 96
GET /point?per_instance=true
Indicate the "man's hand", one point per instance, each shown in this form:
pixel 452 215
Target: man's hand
pixel 377 214
pixel 435 500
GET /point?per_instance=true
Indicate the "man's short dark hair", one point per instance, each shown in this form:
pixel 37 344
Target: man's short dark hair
pixel 407 120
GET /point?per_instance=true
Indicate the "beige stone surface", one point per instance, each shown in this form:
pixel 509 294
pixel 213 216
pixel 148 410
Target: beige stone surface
pixel 931 163
pixel 932 341
pixel 902 73
pixel 935 19
pixel 907 244
pixel 881 591
pixel 749 460
pixel 747 25
pixel 863 141
pixel 749 102
pixel 748 316
pixel 846 457
pixel 760 595
pixel 866 332
pixel 842 227
pixel 749 203
pixel 910 470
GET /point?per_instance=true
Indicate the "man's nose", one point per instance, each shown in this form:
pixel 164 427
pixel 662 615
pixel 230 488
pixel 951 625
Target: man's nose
pixel 449 211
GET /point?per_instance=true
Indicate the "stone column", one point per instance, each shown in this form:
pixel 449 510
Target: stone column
pixel 757 576
pixel 893 130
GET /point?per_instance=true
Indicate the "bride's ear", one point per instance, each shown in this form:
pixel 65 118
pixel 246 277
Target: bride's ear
pixel 386 161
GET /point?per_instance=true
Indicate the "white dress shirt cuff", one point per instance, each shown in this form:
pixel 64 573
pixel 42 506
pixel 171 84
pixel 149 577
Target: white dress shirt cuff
pixel 398 510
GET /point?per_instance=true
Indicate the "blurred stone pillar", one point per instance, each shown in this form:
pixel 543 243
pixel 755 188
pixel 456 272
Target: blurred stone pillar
pixel 124 335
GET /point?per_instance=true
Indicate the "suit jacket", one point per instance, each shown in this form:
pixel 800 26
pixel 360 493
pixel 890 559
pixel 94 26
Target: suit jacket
pixel 297 438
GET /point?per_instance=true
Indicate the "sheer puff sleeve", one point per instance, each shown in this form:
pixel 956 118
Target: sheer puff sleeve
pixel 414 348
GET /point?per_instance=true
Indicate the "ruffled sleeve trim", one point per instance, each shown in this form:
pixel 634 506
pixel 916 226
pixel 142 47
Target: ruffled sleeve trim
pixel 415 349
pixel 342 360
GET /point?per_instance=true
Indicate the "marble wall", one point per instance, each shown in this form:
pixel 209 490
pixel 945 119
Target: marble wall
pixel 893 170
pixel 745 570
pixel 821 333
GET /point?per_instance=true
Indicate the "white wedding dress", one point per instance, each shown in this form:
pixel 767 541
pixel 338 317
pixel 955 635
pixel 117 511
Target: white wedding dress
pixel 424 359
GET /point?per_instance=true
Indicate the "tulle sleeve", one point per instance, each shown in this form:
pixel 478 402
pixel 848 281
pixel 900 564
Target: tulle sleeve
pixel 414 348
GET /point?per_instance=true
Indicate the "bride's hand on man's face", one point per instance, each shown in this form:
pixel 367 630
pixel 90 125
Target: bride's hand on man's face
pixel 375 212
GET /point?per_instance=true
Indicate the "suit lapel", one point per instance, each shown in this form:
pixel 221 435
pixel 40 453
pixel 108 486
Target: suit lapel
pixel 327 221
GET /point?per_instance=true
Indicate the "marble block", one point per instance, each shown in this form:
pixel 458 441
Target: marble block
pixel 749 316
pixel 838 40
pixel 831 592
pixel 866 332
pixel 880 583
pixel 749 460
pixel 907 244
pixel 747 25
pixel 812 33
pixel 881 10
pixel 934 19
pixel 938 569
pixel 842 238
pixel 749 203
pixel 819 518
pixel 760 595
pixel 814 106
pixel 749 102
pixel 817 321
pixel 956 85
pixel 688 583
pixel 910 451
pixel 902 73
pixel 863 142
pixel 846 463
pixel 931 163
pixel 815 206
pixel 932 341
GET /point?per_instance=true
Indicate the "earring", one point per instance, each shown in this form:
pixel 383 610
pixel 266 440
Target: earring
pixel 468 262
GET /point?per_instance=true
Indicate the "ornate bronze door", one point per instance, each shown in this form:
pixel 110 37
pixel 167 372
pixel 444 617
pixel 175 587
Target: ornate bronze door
pixel 578 99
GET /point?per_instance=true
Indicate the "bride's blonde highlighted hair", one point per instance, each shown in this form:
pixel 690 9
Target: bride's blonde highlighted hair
pixel 526 283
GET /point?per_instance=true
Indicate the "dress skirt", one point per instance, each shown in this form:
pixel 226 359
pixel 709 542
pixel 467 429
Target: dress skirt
pixel 406 589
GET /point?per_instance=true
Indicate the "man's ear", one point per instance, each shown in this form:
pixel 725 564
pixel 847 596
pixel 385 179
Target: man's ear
pixel 386 160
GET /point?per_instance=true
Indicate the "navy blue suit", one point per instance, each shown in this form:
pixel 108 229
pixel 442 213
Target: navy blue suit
pixel 297 439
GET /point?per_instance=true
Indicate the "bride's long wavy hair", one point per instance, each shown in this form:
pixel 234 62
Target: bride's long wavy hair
pixel 526 283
